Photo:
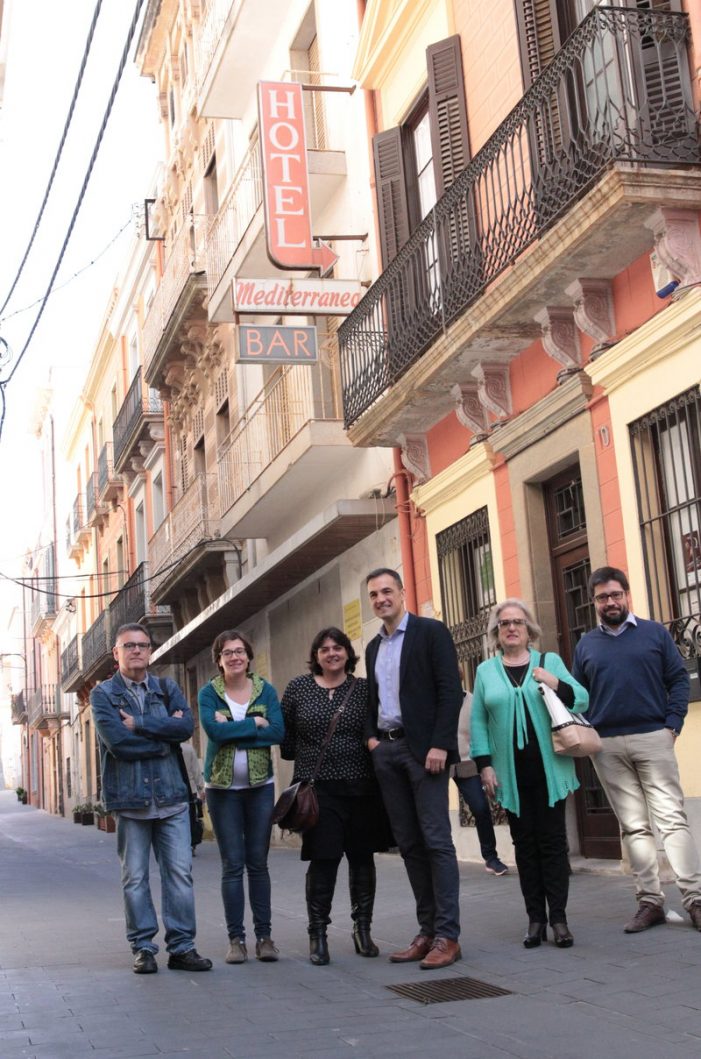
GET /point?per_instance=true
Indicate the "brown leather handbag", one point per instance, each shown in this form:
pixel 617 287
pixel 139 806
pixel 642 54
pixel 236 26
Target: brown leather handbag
pixel 297 808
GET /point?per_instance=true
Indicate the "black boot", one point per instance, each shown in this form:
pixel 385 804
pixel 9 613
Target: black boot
pixel 361 881
pixel 320 886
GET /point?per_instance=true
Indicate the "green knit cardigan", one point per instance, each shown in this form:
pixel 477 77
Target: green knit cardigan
pixel 499 721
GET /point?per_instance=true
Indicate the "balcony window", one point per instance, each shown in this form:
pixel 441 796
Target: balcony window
pixel 467 587
pixel 666 450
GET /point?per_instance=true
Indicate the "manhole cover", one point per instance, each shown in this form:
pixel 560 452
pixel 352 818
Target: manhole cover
pixel 448 989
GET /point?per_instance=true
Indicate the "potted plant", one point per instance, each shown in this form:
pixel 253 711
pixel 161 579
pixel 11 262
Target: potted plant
pixel 87 815
pixel 21 795
pixel 78 813
pixel 104 820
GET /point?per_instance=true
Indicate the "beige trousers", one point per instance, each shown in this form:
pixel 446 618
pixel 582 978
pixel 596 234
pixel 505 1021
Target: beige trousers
pixel 640 776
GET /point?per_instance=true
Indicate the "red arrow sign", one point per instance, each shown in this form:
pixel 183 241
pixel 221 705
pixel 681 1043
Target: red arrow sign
pixel 286 201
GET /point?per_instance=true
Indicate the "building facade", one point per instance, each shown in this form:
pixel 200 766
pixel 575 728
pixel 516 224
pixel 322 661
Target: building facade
pixel 531 339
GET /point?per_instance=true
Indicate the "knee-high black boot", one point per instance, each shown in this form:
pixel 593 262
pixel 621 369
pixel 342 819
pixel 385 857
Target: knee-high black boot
pixel 320 886
pixel 361 881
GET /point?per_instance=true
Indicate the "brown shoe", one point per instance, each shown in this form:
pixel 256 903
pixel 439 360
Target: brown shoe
pixel 420 947
pixel 695 914
pixel 648 915
pixel 444 951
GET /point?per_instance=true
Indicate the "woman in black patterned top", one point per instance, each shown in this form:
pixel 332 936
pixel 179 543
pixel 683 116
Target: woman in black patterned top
pixel 351 814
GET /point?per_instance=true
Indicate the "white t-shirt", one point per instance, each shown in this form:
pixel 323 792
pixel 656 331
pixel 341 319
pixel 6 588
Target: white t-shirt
pixel 240 778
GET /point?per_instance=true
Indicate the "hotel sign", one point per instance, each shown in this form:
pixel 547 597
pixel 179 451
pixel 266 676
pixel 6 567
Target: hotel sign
pixel 305 297
pixel 277 345
pixel 283 146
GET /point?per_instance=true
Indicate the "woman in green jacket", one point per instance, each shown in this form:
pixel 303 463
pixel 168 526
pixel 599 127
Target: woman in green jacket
pixel 511 744
pixel 241 715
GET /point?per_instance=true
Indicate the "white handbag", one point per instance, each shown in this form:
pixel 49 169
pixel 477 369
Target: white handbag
pixel 572 734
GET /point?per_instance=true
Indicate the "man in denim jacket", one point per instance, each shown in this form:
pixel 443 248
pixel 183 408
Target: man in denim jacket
pixel 140 722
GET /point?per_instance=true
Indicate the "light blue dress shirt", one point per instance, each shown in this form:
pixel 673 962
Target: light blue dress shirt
pixel 389 655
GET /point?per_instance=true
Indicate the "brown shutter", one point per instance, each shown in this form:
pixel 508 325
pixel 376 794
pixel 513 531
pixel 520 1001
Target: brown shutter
pixel 539 36
pixel 447 111
pixel 392 202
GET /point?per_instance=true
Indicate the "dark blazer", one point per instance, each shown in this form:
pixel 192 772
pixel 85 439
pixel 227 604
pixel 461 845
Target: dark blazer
pixel 430 692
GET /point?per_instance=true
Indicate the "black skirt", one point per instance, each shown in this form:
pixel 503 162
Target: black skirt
pixel 352 820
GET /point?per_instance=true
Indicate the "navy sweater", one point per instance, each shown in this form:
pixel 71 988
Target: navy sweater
pixel 636 681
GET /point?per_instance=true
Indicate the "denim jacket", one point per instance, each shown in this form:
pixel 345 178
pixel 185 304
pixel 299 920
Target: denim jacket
pixel 140 766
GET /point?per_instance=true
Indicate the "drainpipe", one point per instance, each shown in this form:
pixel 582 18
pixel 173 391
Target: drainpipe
pixel 400 476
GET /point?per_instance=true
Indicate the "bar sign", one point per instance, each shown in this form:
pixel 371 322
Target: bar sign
pixel 277 345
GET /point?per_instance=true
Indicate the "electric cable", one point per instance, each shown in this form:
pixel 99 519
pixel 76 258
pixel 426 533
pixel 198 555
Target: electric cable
pixel 93 261
pixel 76 90
pixel 81 196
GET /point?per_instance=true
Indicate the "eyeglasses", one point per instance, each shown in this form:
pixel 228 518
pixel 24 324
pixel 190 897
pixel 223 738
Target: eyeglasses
pixel 615 597
pixel 506 623
pixel 236 652
pixel 133 646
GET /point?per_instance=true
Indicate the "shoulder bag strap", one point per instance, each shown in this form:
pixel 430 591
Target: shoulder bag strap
pixel 332 728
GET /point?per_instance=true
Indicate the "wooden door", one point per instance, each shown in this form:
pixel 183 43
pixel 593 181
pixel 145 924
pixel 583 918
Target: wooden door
pixel 599 834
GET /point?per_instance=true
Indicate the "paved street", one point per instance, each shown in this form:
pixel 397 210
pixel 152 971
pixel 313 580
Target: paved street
pixel 66 987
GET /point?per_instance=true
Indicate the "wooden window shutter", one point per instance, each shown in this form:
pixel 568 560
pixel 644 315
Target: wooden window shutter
pixel 539 36
pixel 447 112
pixel 392 202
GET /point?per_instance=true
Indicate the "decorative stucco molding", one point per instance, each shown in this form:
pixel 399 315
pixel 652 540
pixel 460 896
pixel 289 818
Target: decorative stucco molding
pixel 494 387
pixel 415 456
pixel 678 242
pixel 560 336
pixel 468 407
pixel 593 307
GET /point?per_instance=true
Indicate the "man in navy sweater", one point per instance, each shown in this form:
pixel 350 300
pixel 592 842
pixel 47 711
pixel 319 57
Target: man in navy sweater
pixel 638 699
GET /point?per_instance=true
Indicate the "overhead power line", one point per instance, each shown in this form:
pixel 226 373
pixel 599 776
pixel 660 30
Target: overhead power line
pixel 70 279
pixel 59 152
pixel 81 196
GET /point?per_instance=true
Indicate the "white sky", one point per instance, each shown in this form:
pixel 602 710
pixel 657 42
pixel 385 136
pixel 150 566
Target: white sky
pixel 46 42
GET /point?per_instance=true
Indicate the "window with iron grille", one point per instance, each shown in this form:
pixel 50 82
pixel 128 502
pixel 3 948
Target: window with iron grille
pixel 467 587
pixel 666 450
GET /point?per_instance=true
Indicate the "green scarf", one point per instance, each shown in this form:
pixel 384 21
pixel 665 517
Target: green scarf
pixel 258 757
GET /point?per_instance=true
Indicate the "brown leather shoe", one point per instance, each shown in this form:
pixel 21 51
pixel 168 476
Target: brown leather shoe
pixel 420 947
pixel 695 914
pixel 648 915
pixel 444 951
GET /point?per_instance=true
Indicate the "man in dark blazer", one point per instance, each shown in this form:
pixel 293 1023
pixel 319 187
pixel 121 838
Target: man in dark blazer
pixel 415 697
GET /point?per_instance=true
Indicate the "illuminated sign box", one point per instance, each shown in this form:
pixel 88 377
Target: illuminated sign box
pixel 277 344
pixel 305 297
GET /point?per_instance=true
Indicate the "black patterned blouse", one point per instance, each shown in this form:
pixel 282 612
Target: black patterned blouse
pixel 308 710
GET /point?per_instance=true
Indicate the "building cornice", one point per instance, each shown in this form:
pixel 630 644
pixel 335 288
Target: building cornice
pixel 668 332
pixel 386 32
pixel 454 480
pixel 545 416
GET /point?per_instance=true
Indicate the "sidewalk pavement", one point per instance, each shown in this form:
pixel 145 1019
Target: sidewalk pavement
pixel 67 989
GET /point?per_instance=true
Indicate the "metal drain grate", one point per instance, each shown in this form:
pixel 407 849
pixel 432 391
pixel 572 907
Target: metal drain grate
pixel 448 989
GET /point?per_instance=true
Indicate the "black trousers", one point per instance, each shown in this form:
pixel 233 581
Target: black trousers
pixel 540 843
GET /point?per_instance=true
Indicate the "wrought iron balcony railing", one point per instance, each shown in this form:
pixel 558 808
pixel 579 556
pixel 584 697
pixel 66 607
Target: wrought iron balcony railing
pixel 95 642
pixel 70 660
pixel 185 526
pixel 78 515
pixel 618 91
pixel 91 493
pixel 131 603
pixel 43 702
pixel 106 476
pixel 185 259
pixel 271 421
pixel 236 212
pixel 140 401
pixel 19 708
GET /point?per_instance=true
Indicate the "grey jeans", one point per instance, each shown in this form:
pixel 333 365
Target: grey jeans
pixel 640 776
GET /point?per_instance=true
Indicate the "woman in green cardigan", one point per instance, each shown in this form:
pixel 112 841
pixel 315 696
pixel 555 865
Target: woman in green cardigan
pixel 511 744
pixel 241 715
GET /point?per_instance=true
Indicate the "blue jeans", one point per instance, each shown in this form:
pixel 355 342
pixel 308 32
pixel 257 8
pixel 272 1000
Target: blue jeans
pixel 170 840
pixel 476 801
pixel 417 806
pixel 241 822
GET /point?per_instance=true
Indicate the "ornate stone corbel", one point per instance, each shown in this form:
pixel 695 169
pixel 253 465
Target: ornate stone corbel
pixel 560 336
pixel 494 387
pixel 415 456
pixel 212 355
pixel 593 308
pixel 677 242
pixel 468 408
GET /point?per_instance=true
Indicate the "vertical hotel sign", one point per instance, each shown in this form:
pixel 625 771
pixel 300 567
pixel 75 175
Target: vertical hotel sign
pixel 283 145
